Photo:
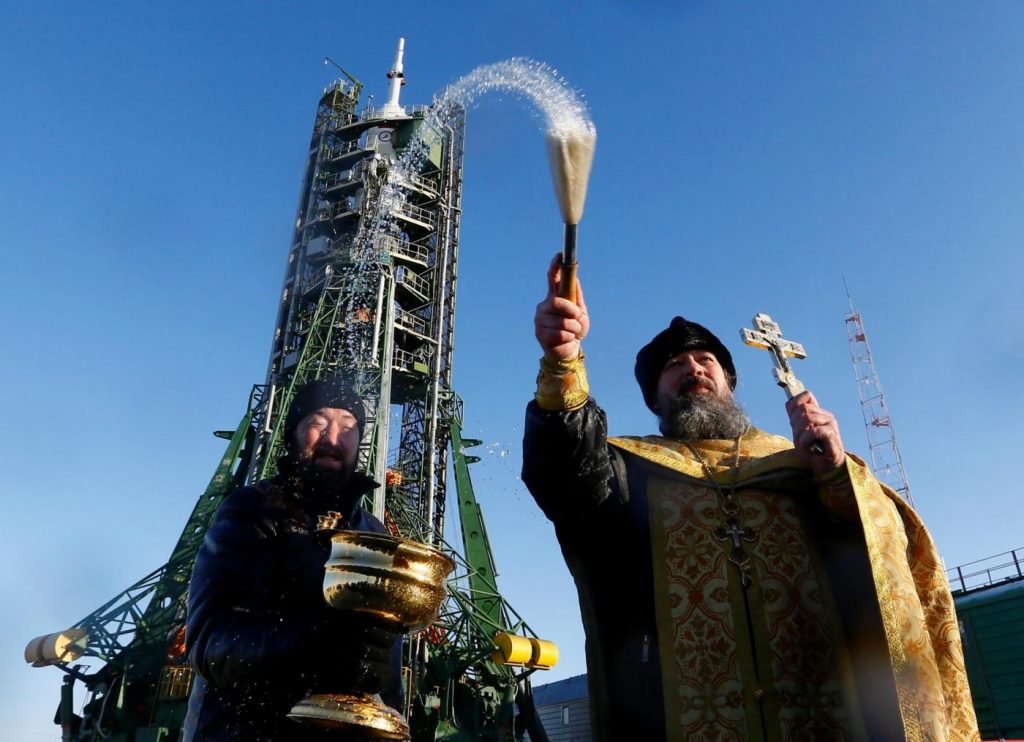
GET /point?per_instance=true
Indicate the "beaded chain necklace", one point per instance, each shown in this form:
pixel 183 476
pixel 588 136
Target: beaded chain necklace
pixel 731 530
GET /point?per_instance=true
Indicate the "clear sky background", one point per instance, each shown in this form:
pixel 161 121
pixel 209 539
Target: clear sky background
pixel 749 157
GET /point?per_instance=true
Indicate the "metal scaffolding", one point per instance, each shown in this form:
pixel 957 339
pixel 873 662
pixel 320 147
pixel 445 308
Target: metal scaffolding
pixel 369 291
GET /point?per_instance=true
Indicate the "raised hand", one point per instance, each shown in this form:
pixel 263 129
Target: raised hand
pixel 811 423
pixel 560 324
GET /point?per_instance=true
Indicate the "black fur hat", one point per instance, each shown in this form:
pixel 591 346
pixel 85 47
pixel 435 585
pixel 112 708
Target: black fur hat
pixel 680 335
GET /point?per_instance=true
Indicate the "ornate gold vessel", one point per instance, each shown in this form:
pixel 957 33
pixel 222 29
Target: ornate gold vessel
pixel 392 580
pixel 398 585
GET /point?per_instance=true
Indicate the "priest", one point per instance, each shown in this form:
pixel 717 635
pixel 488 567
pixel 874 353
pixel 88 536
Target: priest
pixel 735 584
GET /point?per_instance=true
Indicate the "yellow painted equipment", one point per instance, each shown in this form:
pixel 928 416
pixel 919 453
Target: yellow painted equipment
pixel 512 649
pixel 55 648
pixel 522 651
pixel 544 654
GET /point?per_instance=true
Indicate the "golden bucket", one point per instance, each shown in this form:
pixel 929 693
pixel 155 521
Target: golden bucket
pixel 394 581
pixel 397 584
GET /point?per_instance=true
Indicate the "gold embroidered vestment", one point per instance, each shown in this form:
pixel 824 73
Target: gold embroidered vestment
pixel 846 627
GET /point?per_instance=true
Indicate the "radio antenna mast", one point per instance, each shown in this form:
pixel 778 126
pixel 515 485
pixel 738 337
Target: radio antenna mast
pixel 886 462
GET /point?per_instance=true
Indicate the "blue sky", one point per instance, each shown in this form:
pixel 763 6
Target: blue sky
pixel 749 157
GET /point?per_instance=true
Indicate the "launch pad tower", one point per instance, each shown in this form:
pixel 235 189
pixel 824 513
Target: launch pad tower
pixel 369 291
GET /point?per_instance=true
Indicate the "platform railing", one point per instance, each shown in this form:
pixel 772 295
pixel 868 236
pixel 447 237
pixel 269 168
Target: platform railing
pixel 989 571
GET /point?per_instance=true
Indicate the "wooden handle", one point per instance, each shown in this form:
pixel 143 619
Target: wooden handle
pixel 567 289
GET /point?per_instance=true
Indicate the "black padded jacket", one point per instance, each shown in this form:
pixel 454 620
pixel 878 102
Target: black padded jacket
pixel 259 632
pixel 597 500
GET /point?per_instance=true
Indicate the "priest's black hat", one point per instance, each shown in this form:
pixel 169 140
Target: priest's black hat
pixel 680 335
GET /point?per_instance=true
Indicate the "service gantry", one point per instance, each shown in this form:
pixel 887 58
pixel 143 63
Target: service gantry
pixel 369 292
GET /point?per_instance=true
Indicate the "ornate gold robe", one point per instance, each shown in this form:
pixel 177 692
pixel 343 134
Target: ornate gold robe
pixel 846 629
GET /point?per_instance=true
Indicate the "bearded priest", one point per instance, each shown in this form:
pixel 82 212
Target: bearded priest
pixel 734 584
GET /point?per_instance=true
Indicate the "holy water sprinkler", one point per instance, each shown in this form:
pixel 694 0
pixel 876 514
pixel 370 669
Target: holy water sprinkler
pixel 570 154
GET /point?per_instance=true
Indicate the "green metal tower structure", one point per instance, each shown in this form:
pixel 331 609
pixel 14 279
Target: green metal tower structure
pixel 140 693
pixel 369 290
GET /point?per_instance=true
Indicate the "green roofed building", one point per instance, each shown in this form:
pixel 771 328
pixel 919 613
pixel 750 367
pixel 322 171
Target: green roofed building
pixel 989 599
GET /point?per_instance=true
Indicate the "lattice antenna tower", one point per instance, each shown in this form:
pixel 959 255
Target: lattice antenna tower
pixel 886 462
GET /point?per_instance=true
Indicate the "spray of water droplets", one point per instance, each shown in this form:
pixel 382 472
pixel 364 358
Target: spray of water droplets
pixel 565 114
pixel 562 107
pixel 564 111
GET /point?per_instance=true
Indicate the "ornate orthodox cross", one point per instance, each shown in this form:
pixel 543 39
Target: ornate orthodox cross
pixel 768 336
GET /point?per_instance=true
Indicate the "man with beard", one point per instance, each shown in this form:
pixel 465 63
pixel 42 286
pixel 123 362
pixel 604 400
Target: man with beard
pixel 259 633
pixel 735 584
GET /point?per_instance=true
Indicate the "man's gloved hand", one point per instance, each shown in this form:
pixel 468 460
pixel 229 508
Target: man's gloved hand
pixel 357 654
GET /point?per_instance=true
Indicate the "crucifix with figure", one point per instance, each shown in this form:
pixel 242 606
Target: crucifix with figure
pixel 768 336
pixel 738 556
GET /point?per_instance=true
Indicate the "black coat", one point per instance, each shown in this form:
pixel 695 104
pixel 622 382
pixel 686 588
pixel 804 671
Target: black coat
pixel 597 503
pixel 259 633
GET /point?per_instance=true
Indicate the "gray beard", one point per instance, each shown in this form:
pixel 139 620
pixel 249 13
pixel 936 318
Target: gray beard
pixel 691 417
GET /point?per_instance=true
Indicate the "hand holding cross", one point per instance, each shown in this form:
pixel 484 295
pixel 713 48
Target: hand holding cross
pixel 815 430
